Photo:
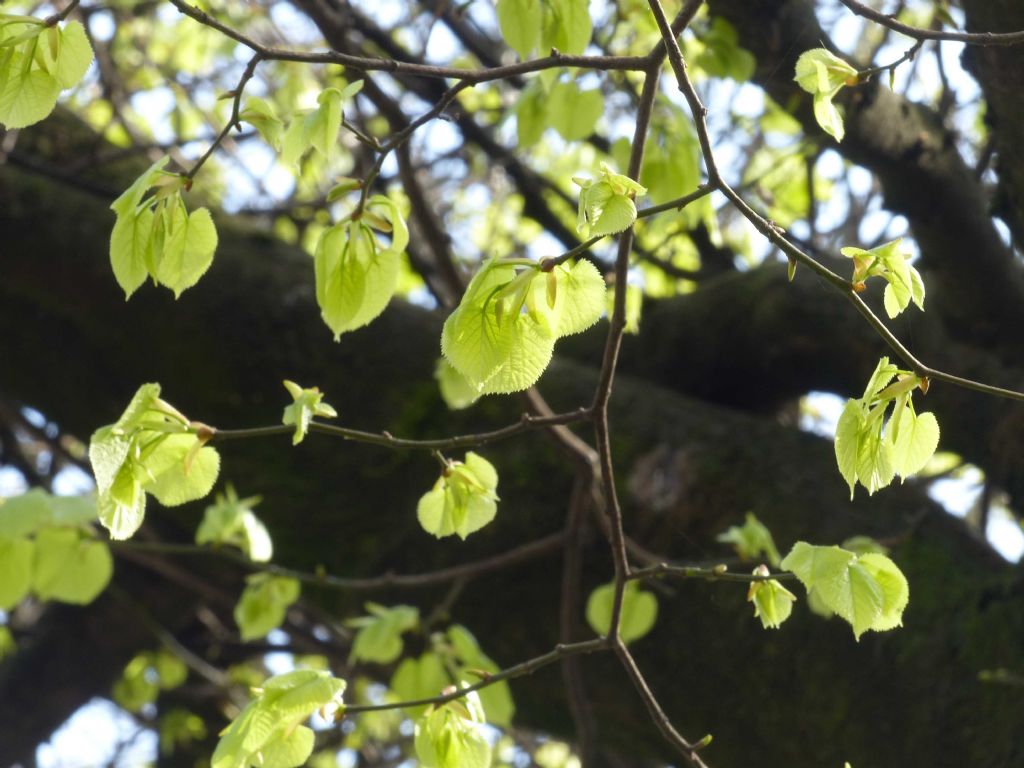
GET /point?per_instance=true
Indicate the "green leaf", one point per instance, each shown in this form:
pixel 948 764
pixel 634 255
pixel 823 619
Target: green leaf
pixel 823 74
pixel 868 591
pixel 25 514
pixel 496 699
pixel 456 390
pixel 379 638
pixel 463 500
pixel 16 556
pixel 606 206
pixel 268 732
pixel 916 441
pixel 231 521
pixel 531 113
pixel 572 112
pixel 580 300
pixel 752 540
pixel 489 340
pixel 355 276
pixel 421 678
pixel 307 404
pixel 70 567
pixel 261 116
pixel 324 124
pixel 773 603
pixel 74 57
pixel 130 199
pixel 520 23
pixel 450 736
pixel 138 685
pixel 28 96
pixel 722 56
pixel 264 603
pixel 131 250
pixel 639 611
pixel 178 472
pixel 848 430
pixel 566 26
pixel 188 249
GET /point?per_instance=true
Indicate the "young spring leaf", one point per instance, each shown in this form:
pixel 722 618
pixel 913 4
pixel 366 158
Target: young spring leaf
pixel 145 676
pixel 580 297
pixel 269 733
pixel 889 261
pixel 231 521
pixel 639 611
pixel 751 540
pixel 574 112
pixel 307 404
pixel 566 26
pixel 773 603
pixel 823 74
pixel 37 62
pixel 606 205
pixel 149 449
pixel 70 566
pixel 16 556
pixel 420 678
pixel 379 638
pixel 520 23
pixel 261 116
pixel 471 661
pixel 157 236
pixel 456 391
pixel 356 275
pixel 463 500
pixel 868 591
pixel 872 450
pixel 264 603
pixel 450 735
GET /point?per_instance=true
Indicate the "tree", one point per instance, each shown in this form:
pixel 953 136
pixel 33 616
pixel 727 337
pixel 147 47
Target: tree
pixel 433 150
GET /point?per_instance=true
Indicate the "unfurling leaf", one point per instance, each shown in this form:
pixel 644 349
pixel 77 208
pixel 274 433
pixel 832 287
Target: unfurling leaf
pixel 889 261
pixel 773 603
pixel 231 521
pixel 463 500
pixel 157 236
pixel 872 450
pixel 269 733
pixel 606 205
pixel 34 70
pixel 264 603
pixel 639 611
pixel 868 591
pixel 379 638
pixel 150 449
pixel 356 275
pixel 823 74
pixel 752 540
pixel 450 735
pixel 308 404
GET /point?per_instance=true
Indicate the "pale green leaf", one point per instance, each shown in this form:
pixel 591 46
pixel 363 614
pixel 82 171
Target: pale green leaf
pixel 323 125
pixel 916 442
pixel 131 250
pixel 566 26
pixel 261 115
pixel 496 699
pixel 828 116
pixel 463 500
pixel 126 204
pixel 773 603
pixel 574 112
pixel 751 540
pixel 75 55
pixel 27 96
pixel 188 250
pixel 178 473
pixel 264 603
pixel 450 736
pixel 122 508
pixel 70 567
pixel 580 298
pixel 618 214
pixel 639 611
pixel 288 748
pixel 456 391
pixel 379 638
pixel 820 70
pixel 421 678
pixel 230 520
pixel 307 404
pixel 531 113
pixel 520 23
pixel 16 556
pixel 894 586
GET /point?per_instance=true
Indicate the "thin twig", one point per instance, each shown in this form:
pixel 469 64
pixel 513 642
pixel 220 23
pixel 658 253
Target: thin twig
pixel 971 38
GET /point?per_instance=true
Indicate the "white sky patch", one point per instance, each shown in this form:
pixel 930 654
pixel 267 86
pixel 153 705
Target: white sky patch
pixel 94 735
